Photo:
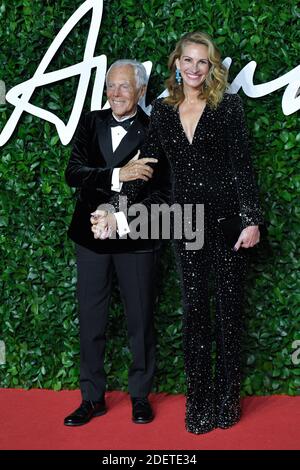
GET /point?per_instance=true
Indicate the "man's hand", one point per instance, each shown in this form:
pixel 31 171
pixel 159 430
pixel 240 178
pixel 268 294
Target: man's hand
pixel 248 238
pixel 103 224
pixel 137 169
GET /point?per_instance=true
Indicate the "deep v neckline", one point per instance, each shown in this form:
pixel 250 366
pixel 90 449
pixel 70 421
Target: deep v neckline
pixel 197 125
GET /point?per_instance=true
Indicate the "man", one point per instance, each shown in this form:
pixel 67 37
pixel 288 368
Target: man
pixel 103 158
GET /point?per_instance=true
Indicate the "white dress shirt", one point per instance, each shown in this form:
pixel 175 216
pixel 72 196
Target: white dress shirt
pixel 117 134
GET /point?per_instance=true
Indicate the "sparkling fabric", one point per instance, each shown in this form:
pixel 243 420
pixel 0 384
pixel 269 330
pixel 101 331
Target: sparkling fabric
pixel 211 400
pixel 214 170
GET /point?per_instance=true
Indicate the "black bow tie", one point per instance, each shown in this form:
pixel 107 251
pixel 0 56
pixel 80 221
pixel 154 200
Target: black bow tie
pixel 125 124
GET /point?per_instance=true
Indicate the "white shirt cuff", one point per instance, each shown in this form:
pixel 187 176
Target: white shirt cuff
pixel 116 184
pixel 122 224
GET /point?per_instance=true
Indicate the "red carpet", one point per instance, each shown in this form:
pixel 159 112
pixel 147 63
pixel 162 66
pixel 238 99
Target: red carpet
pixel 34 420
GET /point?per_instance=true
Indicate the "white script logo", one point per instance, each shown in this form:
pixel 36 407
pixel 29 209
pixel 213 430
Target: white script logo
pixel 20 95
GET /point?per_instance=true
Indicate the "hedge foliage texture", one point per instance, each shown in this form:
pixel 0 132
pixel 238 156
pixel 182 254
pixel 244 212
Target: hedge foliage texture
pixel 38 312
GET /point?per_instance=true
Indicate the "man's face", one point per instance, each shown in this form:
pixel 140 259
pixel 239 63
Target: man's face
pixel 122 92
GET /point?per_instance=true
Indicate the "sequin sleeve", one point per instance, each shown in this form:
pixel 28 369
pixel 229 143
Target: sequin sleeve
pixel 238 148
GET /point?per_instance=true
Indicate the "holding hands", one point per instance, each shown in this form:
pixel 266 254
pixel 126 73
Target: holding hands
pixel 104 224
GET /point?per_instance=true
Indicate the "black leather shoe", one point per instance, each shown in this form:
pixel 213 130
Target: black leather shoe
pixel 141 411
pixel 86 411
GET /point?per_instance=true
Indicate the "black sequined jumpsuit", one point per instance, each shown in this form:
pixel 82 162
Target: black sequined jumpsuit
pixel 214 170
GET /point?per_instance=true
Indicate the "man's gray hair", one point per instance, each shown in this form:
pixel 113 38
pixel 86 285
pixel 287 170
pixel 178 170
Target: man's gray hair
pixel 140 73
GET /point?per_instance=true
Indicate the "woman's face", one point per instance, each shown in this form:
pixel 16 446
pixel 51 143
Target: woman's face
pixel 193 64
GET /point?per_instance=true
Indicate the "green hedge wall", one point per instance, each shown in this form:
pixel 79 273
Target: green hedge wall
pixel 38 312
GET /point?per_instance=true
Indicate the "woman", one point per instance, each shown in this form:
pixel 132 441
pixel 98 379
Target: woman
pixel 202 131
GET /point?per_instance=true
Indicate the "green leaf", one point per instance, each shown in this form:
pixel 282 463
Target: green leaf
pixel 179 13
pixel 38 311
pixel 54 140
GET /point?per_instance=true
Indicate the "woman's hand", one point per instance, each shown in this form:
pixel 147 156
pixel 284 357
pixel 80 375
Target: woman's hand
pixel 249 237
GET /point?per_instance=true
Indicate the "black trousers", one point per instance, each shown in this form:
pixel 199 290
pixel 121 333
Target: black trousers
pixel 213 388
pixel 136 275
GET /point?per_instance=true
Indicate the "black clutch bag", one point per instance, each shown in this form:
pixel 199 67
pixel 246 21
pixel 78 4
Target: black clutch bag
pixel 231 228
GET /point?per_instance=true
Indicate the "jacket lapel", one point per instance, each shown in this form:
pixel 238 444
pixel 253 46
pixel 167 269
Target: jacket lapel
pixel 104 139
pixel 132 140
